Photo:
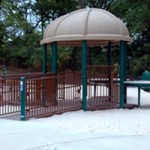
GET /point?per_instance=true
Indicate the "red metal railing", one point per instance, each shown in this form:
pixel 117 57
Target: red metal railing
pixel 9 96
pixel 44 94
pixel 50 94
pixel 10 92
pixel 53 94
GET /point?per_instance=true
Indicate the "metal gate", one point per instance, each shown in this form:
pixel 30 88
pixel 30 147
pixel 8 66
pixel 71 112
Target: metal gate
pixel 9 96
pixel 10 92
pixel 52 94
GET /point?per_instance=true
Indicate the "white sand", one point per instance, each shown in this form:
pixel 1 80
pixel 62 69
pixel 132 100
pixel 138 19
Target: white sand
pixel 126 129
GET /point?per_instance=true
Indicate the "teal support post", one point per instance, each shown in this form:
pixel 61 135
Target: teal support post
pixel 109 54
pixel 44 71
pixel 44 67
pixel 139 96
pixel 23 98
pixel 54 57
pixel 54 69
pixel 122 73
pixel 125 61
pixel 84 75
pixel 125 71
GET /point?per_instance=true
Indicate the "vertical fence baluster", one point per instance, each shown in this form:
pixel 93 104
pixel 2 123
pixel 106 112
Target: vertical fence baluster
pixel 23 97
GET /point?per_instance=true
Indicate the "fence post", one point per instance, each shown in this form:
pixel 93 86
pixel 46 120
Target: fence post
pixel 44 92
pixel 23 98
pixel 84 75
pixel 122 72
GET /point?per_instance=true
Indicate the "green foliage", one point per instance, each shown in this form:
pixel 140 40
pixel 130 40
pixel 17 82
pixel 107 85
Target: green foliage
pixel 48 10
pixel 2 33
pixel 23 22
pixel 139 65
pixel 103 4
pixel 14 17
pixel 69 58
pixel 136 14
pixel 98 56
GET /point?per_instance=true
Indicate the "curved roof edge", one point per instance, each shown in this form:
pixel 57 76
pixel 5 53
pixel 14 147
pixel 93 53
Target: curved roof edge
pixel 84 25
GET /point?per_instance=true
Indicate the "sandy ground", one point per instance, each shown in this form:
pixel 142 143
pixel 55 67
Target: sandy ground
pixel 126 129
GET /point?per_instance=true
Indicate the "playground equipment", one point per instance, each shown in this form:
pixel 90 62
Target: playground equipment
pixel 93 88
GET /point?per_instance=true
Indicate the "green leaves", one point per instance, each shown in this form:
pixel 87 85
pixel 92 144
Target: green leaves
pixel 23 22
pixel 103 4
pixel 139 65
pixel 136 14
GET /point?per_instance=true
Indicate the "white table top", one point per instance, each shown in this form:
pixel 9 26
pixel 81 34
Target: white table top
pixel 137 82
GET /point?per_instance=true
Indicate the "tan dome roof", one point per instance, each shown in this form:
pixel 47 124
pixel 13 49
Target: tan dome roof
pixel 95 25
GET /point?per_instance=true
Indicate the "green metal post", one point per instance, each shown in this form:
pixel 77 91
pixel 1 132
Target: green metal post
pixel 54 57
pixel 44 67
pixel 125 61
pixel 54 70
pixel 23 97
pixel 122 75
pixel 84 75
pixel 125 71
pixel 139 95
pixel 44 70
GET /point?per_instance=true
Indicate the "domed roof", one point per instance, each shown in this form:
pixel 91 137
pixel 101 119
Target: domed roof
pixel 97 26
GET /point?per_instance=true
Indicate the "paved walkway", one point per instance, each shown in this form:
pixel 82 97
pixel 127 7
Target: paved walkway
pixel 139 142
pixel 13 116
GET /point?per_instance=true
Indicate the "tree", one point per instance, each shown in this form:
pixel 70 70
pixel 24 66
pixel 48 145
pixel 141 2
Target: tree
pixel 15 17
pixel 136 16
pixel 48 10
pixel 103 4
pixel 2 35
pixel 23 22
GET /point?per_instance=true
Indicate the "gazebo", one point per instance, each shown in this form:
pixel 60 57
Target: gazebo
pixel 87 27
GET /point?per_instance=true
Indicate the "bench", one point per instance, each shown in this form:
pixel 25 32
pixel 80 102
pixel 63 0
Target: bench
pixel 146 77
pixel 139 84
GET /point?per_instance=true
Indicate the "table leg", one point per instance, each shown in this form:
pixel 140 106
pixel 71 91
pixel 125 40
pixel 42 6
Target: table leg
pixel 139 95
pixel 125 94
pixel 94 90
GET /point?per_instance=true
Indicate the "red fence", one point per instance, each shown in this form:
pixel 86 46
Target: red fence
pixel 45 95
pixel 49 94
pixel 53 94
pixel 10 92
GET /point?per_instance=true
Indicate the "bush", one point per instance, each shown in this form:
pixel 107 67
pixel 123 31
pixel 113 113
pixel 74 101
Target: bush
pixel 139 65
